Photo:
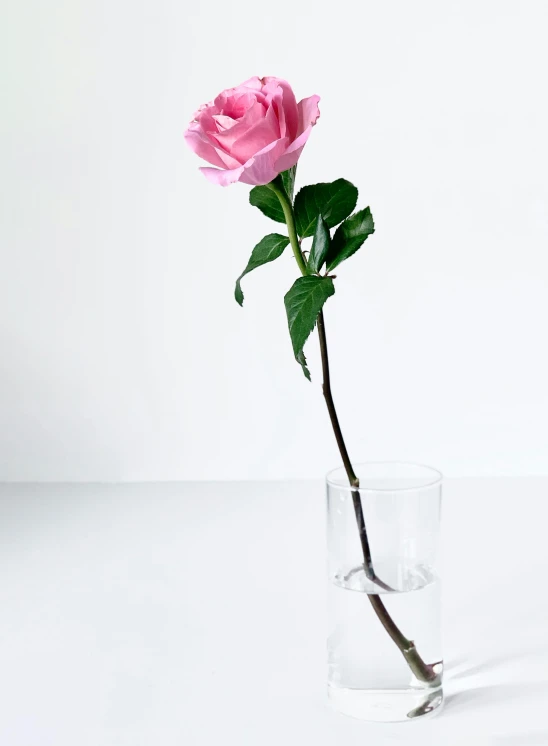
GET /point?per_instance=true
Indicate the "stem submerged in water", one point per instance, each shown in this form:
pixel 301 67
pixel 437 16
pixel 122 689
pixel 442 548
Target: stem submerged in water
pixel 422 671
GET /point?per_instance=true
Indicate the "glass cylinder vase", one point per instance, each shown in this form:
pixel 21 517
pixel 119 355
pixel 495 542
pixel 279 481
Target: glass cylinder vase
pixel 384 645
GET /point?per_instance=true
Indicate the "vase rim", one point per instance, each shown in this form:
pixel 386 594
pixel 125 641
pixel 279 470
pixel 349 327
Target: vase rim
pixel 421 476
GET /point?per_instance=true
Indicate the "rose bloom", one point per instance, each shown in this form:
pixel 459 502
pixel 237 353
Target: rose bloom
pixel 253 132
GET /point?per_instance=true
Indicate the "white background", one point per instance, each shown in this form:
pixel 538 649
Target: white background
pixel 124 355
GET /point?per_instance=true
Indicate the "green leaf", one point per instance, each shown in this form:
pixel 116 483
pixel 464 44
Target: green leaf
pixel 303 302
pixel 320 246
pixel 349 236
pixel 288 180
pixel 302 362
pixel 267 202
pixel 269 248
pixel 335 201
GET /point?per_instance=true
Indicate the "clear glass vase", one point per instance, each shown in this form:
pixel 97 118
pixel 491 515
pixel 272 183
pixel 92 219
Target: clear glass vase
pixel 384 645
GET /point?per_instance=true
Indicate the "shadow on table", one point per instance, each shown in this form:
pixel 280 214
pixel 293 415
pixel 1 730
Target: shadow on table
pixel 461 670
pixel 495 694
pixel 525 653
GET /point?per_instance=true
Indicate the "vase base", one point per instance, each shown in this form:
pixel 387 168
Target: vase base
pixel 385 705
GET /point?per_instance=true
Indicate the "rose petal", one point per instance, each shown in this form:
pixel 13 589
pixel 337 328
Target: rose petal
pixel 308 112
pixel 197 142
pixel 257 137
pixel 219 102
pixel 228 160
pixel 289 103
pixel 223 122
pixel 226 139
pixel 203 146
pixel 204 108
pixel 277 102
pixel 222 178
pixel 293 152
pixel 255 83
pixel 206 119
pixel 261 169
pixel 239 104
pixel 251 86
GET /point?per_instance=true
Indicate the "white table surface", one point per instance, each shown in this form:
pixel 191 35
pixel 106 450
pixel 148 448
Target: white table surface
pixel 171 614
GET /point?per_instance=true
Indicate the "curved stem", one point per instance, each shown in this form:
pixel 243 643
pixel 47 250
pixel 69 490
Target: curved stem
pixel 279 190
pixel 352 478
pixel 422 670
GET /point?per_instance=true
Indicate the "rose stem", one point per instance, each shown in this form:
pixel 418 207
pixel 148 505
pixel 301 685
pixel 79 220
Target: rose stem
pixel 352 478
pixel 421 670
pixel 279 190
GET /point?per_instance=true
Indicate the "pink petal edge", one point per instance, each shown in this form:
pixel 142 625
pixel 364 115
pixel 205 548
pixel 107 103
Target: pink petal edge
pixel 261 169
pixel 197 142
pixel 308 112
pixel 293 153
pixel 222 178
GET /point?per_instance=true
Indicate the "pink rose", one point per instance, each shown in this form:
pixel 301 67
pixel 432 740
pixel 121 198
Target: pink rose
pixel 252 132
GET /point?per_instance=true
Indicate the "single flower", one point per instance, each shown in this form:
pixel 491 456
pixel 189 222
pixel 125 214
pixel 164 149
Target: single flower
pixel 253 132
